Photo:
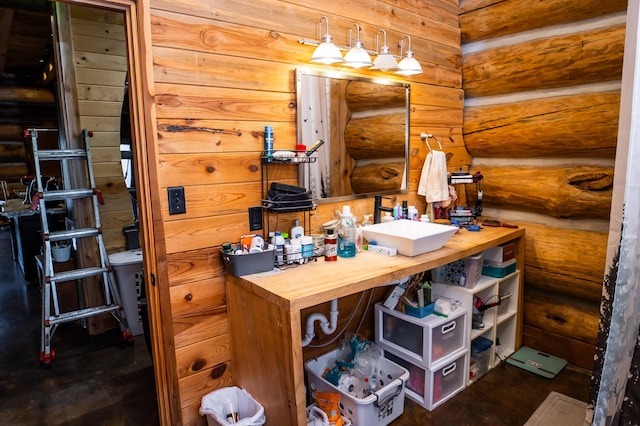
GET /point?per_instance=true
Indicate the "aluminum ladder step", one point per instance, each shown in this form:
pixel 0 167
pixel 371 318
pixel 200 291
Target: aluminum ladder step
pixel 74 233
pixel 62 154
pixel 68 194
pixel 82 313
pixel 76 274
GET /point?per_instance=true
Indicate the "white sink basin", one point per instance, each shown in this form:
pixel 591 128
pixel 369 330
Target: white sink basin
pixel 409 237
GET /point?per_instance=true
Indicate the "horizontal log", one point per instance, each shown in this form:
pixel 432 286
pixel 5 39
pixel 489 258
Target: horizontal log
pixel 563 282
pixel 12 151
pixel 485 19
pixel 562 317
pixel 558 191
pixel 12 172
pixel 583 125
pixel 574 351
pixel 26 95
pixel 11 132
pixel 364 96
pixel 574 254
pixel 560 61
pixel 377 177
pixel 378 136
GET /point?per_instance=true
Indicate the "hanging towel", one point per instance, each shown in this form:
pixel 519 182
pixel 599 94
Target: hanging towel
pixel 433 181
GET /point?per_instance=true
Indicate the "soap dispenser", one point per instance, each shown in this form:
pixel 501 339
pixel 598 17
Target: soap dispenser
pixel 347 234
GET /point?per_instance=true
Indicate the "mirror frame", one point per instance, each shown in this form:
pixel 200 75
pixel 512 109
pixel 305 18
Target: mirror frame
pixel 301 72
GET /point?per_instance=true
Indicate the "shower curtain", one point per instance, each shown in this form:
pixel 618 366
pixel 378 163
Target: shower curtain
pixel 613 398
pixel 316 126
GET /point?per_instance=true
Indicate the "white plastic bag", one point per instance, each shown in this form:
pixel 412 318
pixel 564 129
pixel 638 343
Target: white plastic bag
pixel 220 405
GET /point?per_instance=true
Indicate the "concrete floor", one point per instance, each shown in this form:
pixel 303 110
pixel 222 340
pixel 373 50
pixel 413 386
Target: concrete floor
pixel 94 380
pixel 98 380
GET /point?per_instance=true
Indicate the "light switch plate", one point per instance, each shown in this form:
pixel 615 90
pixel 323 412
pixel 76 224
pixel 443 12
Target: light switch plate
pixel 177 203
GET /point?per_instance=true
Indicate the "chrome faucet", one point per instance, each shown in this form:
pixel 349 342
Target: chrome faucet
pixel 378 207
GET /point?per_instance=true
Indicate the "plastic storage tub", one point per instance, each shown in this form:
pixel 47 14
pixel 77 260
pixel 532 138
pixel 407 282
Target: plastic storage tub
pixel 480 357
pixel 499 270
pixel 250 263
pixel 430 387
pixel 127 268
pixel 380 408
pixel 464 273
pixel 423 341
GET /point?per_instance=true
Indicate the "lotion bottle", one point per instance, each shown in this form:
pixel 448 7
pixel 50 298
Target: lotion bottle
pixel 297 231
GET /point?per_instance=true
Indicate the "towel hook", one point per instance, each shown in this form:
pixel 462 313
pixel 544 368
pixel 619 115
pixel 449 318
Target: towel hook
pixel 425 137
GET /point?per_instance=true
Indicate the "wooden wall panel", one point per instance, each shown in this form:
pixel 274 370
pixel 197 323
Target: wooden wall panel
pixel 100 55
pixel 221 73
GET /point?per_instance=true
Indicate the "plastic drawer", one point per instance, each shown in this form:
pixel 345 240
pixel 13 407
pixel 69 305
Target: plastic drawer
pixel 423 341
pixel 431 387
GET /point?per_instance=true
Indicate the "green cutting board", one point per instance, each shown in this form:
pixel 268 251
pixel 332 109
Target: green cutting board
pixel 537 362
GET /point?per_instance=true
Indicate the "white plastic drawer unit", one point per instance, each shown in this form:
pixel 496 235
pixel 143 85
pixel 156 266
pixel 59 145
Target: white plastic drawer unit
pixel 423 341
pixel 430 387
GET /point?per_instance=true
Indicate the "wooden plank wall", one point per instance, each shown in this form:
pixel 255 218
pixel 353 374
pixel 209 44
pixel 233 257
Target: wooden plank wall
pixel 222 71
pixel 542 92
pixel 100 57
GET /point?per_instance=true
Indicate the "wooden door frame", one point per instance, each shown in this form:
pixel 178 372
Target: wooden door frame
pixel 143 133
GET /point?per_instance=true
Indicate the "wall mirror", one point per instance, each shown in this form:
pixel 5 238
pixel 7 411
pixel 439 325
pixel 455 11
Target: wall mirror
pixel 364 123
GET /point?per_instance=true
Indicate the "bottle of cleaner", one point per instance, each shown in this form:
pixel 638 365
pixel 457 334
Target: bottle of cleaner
pixel 347 234
pixel 297 231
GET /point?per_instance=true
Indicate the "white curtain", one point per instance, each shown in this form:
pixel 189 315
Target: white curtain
pixel 315 114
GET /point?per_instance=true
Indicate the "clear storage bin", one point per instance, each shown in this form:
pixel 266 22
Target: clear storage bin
pixel 430 387
pixel 423 341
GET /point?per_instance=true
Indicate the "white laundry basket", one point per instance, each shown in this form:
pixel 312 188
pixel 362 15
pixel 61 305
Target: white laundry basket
pixel 127 269
pixel 217 405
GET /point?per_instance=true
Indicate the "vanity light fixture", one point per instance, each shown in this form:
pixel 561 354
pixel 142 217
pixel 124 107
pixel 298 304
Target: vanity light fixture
pixel 357 56
pixel 326 52
pixel 408 65
pixel 385 61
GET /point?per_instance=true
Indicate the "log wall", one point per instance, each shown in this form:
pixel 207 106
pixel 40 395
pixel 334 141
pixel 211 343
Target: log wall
pixel 221 72
pixel 542 93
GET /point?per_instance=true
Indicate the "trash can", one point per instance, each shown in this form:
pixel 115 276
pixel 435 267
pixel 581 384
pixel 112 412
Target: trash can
pixel 127 269
pixel 232 406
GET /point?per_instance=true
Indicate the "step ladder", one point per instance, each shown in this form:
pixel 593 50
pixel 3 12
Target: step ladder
pixel 51 278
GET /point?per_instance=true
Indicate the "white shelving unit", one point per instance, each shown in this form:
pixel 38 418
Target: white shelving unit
pixel 499 324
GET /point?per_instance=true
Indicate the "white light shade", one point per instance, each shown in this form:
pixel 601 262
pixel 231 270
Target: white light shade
pixel 357 57
pixel 409 65
pixel 385 62
pixel 327 53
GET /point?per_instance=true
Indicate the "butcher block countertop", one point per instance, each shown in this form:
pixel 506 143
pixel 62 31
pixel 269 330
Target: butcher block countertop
pixel 319 281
